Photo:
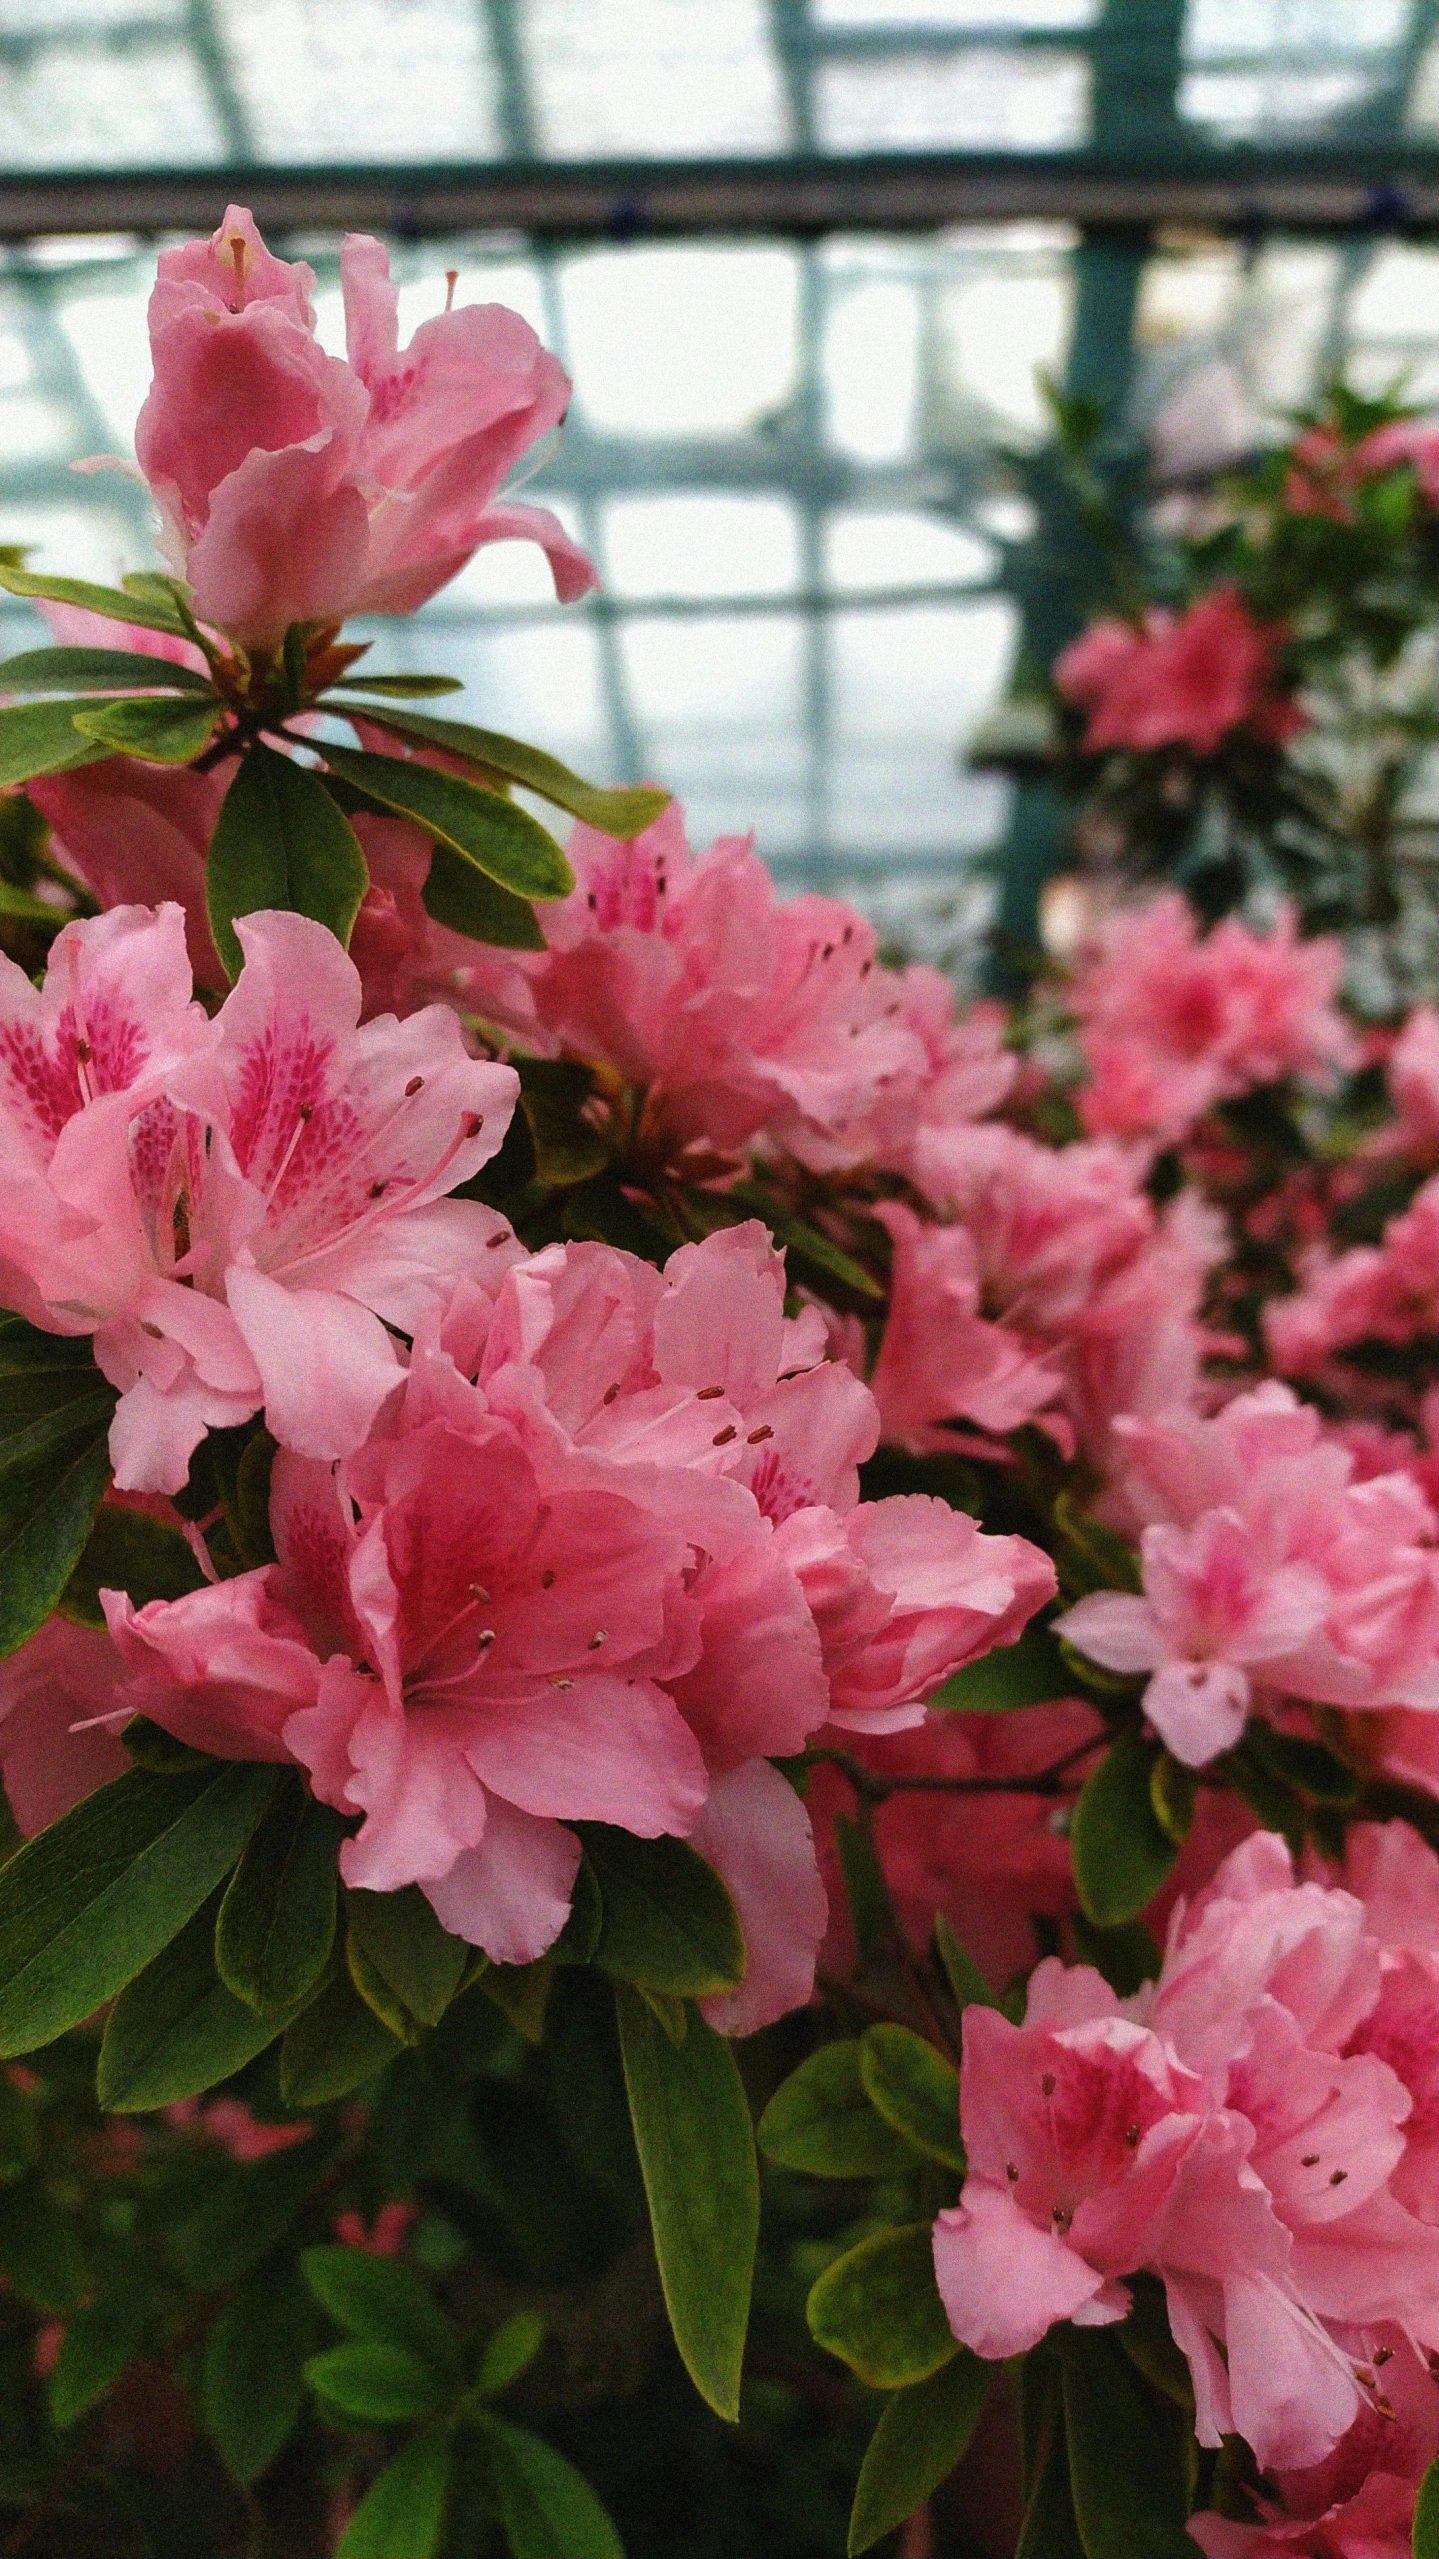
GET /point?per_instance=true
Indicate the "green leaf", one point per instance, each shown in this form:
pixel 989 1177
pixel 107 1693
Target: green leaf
pixel 406 1945
pixel 280 841
pixel 868 1894
pixel 1121 1856
pixel 498 836
pixel 962 1973
pixel 249 2209
pixel 1091 1557
pixel 96 671
pixel 509 2352
pixel 821 2122
pixel 669 1924
pixel 336 2045
pixel 625 813
pixel 548 2510
pixel 252 2379
pixel 376 1993
pixel 915 2089
pixel 177 2030
pixel 383 2303
pixel 55 1413
pixel 878 2308
pixel 127 1550
pixel 1126 1957
pixel 922 2432
pixel 696 2146
pixel 19 2131
pixel 39 2251
pixel 41 737
pixel 568 1147
pixel 145 607
pixel 1126 2474
pixel 397 688
pixel 86 1905
pixel 1426 2515
pixel 277 1921
pixel 1028 1673
pixel 100 2341
pixel 377 2385
pixel 1049 2530
pixel 403 2515
pixel 465 899
pixel 157 730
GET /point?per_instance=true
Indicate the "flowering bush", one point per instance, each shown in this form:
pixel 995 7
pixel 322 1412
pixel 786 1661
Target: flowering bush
pixel 591 1476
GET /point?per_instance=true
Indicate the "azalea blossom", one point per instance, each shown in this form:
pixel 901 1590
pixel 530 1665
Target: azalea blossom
pixel 239 1211
pixel 1190 679
pixel 297 486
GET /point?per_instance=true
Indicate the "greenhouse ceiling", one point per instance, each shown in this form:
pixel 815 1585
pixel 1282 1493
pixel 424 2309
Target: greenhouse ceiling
pixel 805 260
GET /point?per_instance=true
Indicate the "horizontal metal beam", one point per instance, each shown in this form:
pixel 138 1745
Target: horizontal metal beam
pixel 1314 190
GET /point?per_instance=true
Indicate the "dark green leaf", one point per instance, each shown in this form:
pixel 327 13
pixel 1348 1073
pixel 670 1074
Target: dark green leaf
pixel 1091 1557
pixel 145 607
pixel 335 2046
pixel 1127 1957
pixel 922 2432
pixel 1126 2473
pixel 249 2209
pixel 568 1147
pixel 159 730
pixel 99 2342
pixel 522 1993
pixel 499 837
pixel 177 2030
pixel 375 2385
pixel 1426 2515
pixel 277 1920
pixel 1173 1792
pixel 1049 2530
pixel 19 2131
pixel 878 2308
pixel 915 2089
pixel 867 1892
pixel 86 1905
pixel 96 671
pixel 39 2251
pixel 1028 1673
pixel 509 2352
pixel 252 2380
pixel 382 2302
pixel 821 2121
pixel 696 2146
pixel 280 841
pixel 377 1994
pixel 127 1550
pixel 468 901
pixel 403 2515
pixel 397 688
pixel 960 1969
pixel 669 1924
pixel 624 813
pixel 548 2510
pixel 1121 1856
pixel 1308 1765
pixel 55 1412
pixel 406 1945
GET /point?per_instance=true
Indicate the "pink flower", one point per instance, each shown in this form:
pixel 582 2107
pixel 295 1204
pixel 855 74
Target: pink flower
pixel 294 487
pixel 940 1362
pixel 1413 1078
pixel 52 1752
pixel 1172 1023
pixel 1190 680
pixel 1209 1614
pixel 384 2237
pixel 230 2122
pixel 1268 1462
pixel 736 1014
pixel 1387 1292
pixel 243 1219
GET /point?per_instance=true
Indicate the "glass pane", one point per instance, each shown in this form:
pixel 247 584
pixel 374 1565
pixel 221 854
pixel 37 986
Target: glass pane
pixel 972 101
pixel 871 368
pixel 701 545
pixel 654 78
pixel 988 14
pixel 681 341
pixel 372 80
pixel 69 105
pixel 887 547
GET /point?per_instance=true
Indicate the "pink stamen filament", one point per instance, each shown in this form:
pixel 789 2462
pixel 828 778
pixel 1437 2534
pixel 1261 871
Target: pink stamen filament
pixel 392 1202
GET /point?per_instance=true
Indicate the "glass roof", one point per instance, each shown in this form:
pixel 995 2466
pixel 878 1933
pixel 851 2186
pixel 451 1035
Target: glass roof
pixel 801 468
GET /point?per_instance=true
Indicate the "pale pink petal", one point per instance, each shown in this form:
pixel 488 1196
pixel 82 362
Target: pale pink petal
pixel 1004 2281
pixel 606 1749
pixel 755 1832
pixel 326 1363
pixel 1114 1628
pixel 511 1894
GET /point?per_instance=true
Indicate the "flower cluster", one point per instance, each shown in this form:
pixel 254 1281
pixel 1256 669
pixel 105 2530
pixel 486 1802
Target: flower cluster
pixel 1255 2129
pixel 1187 681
